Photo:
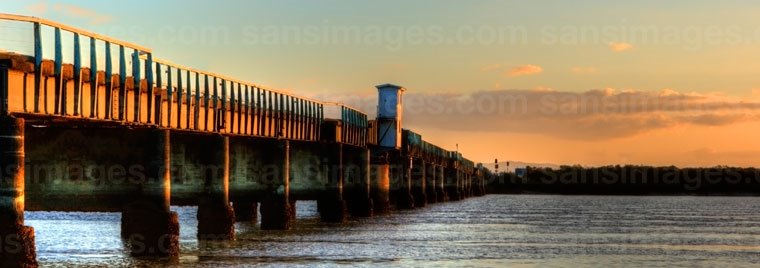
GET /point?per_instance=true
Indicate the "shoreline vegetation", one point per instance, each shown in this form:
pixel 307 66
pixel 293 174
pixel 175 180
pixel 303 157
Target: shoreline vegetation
pixel 630 180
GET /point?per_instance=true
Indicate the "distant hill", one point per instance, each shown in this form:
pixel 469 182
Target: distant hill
pixel 631 180
pixel 517 164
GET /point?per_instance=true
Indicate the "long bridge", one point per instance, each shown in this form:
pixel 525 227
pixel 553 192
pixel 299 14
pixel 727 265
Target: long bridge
pixel 91 123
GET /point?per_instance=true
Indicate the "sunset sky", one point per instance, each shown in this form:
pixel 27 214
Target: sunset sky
pixel 581 82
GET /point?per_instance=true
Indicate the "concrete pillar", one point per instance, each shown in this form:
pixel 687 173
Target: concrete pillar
pixel 469 183
pixel 147 224
pixel 246 211
pixel 275 208
pixel 475 185
pixel 430 176
pixel 419 184
pixel 462 185
pixel 478 182
pixel 216 219
pixel 452 183
pixel 292 210
pixel 402 177
pixel 356 162
pixel 463 193
pixel 18 240
pixel 440 191
pixel 482 178
pixel 380 185
pixel 331 206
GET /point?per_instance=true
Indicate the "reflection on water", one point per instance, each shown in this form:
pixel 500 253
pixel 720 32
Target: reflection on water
pixel 522 231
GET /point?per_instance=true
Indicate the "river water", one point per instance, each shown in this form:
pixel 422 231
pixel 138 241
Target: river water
pixel 490 231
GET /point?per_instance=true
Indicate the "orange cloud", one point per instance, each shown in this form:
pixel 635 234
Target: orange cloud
pixel 755 94
pixel 525 70
pixel 37 8
pixel 620 46
pixel 93 17
pixel 490 67
pixel 583 70
pixel 80 12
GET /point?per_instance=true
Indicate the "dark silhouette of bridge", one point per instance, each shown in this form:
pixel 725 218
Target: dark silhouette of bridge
pixel 115 129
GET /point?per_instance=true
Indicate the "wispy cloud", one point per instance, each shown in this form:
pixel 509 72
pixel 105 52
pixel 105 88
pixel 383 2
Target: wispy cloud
pixel 583 70
pixel 524 70
pixel 43 8
pixel 38 8
pixel 80 12
pixel 620 46
pixel 491 67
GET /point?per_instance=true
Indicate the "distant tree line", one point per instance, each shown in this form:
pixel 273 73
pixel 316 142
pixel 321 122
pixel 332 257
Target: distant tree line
pixel 630 180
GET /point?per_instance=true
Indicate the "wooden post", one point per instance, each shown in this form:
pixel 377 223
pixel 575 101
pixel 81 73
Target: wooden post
pixel 149 78
pixel 137 85
pixel 37 65
pixel 169 95
pixel 57 72
pixel 159 98
pixel 179 98
pixel 109 83
pixel 122 83
pixel 93 79
pixel 188 100
pixel 77 75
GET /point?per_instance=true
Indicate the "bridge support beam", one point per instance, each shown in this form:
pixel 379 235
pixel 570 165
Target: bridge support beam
pixel 402 176
pixel 12 230
pixel 276 207
pixel 453 183
pixel 357 181
pixel 216 219
pixel 147 224
pixel 430 182
pixel 331 206
pixel 419 177
pixel 440 191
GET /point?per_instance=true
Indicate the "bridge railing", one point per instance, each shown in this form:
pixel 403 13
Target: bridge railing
pixel 371 131
pixel 415 146
pixel 355 125
pixel 68 95
pixel 199 100
pixel 123 82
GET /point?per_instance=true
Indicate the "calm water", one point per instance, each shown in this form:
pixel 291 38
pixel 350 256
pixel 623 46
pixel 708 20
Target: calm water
pixel 521 231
